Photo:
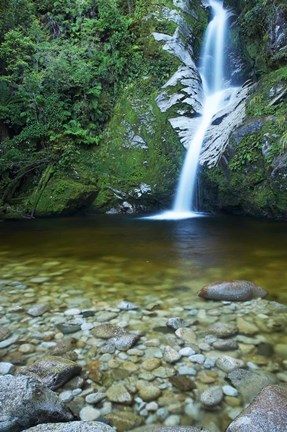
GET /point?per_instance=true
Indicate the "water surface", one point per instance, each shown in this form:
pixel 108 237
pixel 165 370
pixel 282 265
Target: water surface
pixel 126 257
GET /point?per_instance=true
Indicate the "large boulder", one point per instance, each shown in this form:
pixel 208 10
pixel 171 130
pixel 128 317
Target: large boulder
pixel 237 290
pixel 267 413
pixel 80 426
pixel 25 402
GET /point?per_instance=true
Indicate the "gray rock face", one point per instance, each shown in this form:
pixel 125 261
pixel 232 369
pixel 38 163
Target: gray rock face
pixel 25 402
pixel 54 371
pixel 278 31
pixel 250 383
pixel 232 291
pixel 267 413
pixel 81 426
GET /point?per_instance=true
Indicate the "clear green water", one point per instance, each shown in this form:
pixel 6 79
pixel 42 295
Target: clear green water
pixel 114 257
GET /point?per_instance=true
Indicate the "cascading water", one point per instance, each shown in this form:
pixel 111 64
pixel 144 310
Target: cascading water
pixel 216 96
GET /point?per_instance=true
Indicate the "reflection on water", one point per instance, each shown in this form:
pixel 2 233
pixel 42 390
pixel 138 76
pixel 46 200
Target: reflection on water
pixel 127 257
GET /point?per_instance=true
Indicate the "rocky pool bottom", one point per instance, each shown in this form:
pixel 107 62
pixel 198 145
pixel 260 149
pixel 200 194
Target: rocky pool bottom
pixel 174 362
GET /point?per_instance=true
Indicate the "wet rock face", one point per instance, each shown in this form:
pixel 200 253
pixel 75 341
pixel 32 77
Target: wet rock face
pixel 232 291
pixel 265 414
pixel 278 31
pixel 25 402
pixel 54 371
pixel 82 426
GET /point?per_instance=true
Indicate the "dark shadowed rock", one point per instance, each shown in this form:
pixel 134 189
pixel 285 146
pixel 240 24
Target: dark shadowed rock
pixel 249 383
pixel 53 371
pixel 80 426
pixel 267 413
pixel 25 402
pixel 232 291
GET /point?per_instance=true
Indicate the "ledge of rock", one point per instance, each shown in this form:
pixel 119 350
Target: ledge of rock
pixel 267 413
pixel 25 402
pixel 80 426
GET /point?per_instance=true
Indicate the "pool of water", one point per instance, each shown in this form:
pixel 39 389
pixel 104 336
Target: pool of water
pixel 126 257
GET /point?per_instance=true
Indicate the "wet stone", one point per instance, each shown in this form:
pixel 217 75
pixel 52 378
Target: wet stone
pixel 38 310
pixel 54 372
pixel 211 397
pixel 176 323
pixel 40 280
pixel 149 392
pixel 186 334
pixel 246 327
pixel 151 364
pixel 107 331
pixel 225 345
pixel 183 382
pixel 89 413
pixel 119 394
pixel 126 306
pixel 170 355
pixel 228 364
pixel 95 398
pixel 125 341
pixel 106 316
pixel 223 330
pixel 4 333
pixel 6 368
pixel 163 372
pixel 69 327
pixel 26 348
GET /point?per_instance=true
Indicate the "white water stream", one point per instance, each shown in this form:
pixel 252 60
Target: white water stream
pixel 216 97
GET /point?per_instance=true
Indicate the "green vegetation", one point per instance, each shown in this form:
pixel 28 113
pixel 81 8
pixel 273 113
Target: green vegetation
pixel 67 69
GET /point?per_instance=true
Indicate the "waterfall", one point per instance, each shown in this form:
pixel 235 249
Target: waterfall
pixel 216 97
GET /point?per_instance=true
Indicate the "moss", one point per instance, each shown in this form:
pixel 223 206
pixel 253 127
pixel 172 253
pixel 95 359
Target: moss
pixel 64 196
pixel 124 163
